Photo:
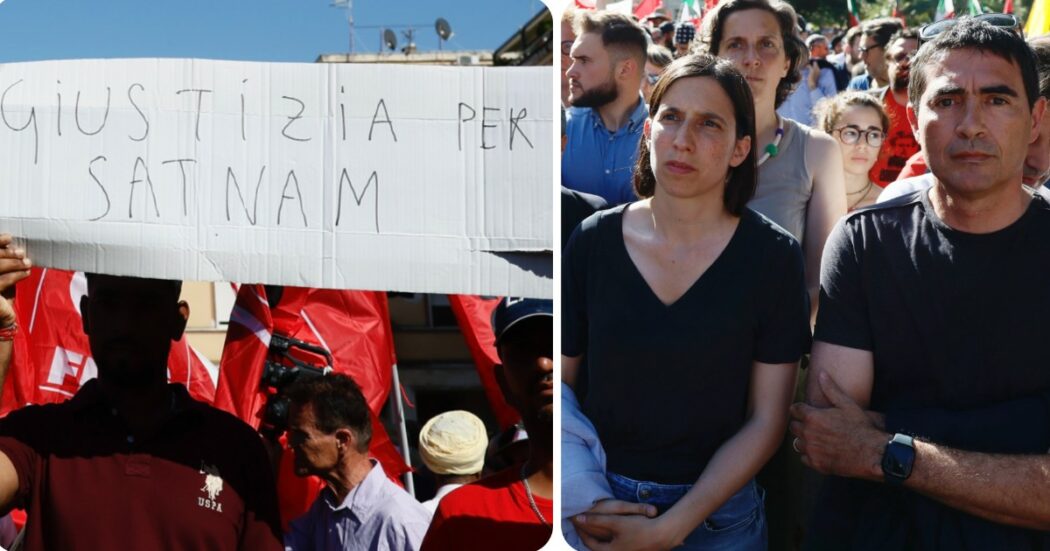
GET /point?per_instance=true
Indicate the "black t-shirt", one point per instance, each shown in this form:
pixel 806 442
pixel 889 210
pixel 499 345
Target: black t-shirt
pixel 956 322
pixel 669 384
pixel 575 207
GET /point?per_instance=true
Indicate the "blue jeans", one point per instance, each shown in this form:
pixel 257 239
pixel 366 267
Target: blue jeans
pixel 739 524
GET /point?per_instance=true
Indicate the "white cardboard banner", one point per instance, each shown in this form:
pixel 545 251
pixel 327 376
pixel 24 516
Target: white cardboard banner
pixel 383 177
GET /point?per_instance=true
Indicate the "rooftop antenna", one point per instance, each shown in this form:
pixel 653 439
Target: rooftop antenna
pixel 389 39
pixel 349 5
pixel 444 31
pixel 410 47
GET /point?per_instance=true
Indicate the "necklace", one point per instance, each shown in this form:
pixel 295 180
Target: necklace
pixel 773 148
pixel 863 193
pixel 532 500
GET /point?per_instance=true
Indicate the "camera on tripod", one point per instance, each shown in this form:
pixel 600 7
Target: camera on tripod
pixel 284 365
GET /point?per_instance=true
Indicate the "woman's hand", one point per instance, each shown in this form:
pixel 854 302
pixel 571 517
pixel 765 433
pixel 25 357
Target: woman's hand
pixel 625 532
pixel 618 523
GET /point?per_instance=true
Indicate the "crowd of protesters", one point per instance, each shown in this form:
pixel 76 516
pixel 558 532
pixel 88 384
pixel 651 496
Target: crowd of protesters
pixel 867 204
pixel 133 462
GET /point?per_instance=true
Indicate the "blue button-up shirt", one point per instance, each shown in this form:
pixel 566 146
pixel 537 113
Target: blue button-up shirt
pixel 376 515
pixel 598 161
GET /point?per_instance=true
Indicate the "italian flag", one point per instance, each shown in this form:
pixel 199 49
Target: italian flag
pixel 690 13
pixel 947 9
pixel 854 12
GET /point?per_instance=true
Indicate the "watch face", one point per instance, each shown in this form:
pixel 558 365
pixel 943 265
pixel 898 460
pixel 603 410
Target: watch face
pixel 897 461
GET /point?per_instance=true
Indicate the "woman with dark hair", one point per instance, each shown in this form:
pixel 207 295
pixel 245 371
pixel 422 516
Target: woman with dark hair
pixel 691 312
pixel 800 182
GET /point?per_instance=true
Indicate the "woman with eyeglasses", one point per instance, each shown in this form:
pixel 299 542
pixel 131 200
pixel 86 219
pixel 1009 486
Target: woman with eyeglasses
pixel 800 184
pixel 859 122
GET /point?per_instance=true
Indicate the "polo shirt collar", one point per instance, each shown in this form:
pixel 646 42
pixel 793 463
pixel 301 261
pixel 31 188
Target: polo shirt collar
pixel 363 498
pixel 91 395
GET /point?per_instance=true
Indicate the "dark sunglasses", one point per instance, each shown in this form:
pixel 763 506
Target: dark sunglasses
pixel 1002 20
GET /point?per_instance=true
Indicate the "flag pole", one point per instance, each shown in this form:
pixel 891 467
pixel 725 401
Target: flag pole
pixel 399 412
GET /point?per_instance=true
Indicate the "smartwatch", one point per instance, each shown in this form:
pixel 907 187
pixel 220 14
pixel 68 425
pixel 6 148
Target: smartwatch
pixel 898 458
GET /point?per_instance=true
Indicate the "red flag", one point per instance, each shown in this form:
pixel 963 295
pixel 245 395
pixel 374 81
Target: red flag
pixel 353 326
pixel 1008 6
pixel 645 8
pixel 473 315
pixel 53 357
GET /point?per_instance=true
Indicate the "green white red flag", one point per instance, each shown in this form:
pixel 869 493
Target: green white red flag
pixel 947 9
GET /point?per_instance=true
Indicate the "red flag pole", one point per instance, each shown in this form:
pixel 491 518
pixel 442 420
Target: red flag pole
pixel 399 410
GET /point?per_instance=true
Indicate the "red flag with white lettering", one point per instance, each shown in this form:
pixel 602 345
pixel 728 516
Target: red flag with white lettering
pixel 474 315
pixel 52 356
pixel 353 326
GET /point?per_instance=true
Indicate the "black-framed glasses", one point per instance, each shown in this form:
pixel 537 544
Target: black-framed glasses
pixel 1002 20
pixel 566 47
pixel 865 49
pixel 850 134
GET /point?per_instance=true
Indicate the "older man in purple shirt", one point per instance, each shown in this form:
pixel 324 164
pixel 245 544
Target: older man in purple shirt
pixel 329 429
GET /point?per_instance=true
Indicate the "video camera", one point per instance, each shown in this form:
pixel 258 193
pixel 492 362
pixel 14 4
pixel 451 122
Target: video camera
pixel 282 368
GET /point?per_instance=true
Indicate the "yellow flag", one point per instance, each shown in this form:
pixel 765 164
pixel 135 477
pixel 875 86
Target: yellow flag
pixel 1038 18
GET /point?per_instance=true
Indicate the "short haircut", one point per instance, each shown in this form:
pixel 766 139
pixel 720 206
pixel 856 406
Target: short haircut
pixel 882 29
pixel 659 56
pixel 853 33
pixel 827 112
pixel 814 38
pixel 337 403
pixel 795 50
pixel 744 178
pixel 836 40
pixel 569 15
pixel 174 286
pixel 621 35
pixel 980 36
pixel 903 34
pixel 1041 49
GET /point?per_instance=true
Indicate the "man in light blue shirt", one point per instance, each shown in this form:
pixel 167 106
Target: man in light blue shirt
pixel 817 83
pixel 608 114
pixel 329 429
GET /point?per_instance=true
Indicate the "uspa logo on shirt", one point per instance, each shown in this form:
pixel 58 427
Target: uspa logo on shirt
pixel 212 487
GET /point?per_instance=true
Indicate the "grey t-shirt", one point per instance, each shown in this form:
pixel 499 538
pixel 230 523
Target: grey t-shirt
pixel 785 183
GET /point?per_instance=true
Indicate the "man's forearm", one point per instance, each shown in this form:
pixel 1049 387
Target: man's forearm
pixel 1007 489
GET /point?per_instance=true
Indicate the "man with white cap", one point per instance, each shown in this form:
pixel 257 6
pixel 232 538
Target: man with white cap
pixel 452 446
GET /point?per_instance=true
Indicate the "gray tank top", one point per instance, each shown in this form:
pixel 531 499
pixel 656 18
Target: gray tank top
pixel 785 183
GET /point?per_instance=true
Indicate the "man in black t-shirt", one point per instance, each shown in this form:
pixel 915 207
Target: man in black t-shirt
pixel 929 397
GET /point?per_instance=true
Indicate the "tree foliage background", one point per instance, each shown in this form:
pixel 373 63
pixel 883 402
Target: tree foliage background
pixel 833 13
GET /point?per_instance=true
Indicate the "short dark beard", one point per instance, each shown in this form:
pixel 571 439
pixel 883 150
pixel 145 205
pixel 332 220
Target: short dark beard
pixel 899 84
pixel 599 96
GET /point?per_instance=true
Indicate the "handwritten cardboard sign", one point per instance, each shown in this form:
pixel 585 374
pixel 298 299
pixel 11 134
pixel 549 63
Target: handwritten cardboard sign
pixel 386 177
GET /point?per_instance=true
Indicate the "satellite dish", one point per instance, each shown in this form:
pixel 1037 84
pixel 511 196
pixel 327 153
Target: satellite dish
pixel 444 30
pixel 390 39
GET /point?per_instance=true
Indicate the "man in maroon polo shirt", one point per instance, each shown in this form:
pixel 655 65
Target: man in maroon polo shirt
pixel 131 462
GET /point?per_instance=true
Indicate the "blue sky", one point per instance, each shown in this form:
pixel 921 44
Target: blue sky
pixel 262 30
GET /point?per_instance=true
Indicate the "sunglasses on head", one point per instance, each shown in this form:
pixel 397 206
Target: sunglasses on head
pixel 1002 20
